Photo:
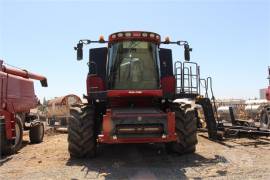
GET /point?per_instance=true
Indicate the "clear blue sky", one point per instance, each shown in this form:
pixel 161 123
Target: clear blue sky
pixel 230 39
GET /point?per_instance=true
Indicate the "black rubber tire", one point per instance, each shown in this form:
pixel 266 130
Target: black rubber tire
pixel 51 122
pixel 81 132
pixel 36 133
pixel 2 136
pixel 63 122
pixel 265 118
pixel 186 130
pixel 9 147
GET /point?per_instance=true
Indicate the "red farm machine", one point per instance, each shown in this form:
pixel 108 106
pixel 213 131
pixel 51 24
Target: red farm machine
pixel 137 94
pixel 17 97
pixel 265 113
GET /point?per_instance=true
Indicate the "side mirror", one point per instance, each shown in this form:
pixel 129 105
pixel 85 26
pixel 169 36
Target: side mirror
pixel 79 50
pixel 187 52
pixel 44 82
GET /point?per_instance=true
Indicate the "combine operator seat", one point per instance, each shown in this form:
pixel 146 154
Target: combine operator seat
pixel 187 75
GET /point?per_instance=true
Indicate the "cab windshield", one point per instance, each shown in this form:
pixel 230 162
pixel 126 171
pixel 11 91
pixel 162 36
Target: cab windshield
pixel 133 65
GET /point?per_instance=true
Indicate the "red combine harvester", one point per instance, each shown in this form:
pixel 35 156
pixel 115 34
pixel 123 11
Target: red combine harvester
pixel 17 97
pixel 136 94
pixel 265 114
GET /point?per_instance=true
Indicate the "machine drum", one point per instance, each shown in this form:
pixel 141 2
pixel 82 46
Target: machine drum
pixel 36 133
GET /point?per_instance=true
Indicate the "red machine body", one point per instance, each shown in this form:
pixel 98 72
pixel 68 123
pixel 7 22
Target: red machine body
pixel 267 94
pixel 113 115
pixel 140 98
pixel 16 94
pixel 131 87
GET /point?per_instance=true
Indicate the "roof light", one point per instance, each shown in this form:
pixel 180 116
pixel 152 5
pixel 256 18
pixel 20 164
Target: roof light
pixel 152 35
pixel 128 34
pixel 167 40
pixel 144 34
pixel 101 38
pixel 120 34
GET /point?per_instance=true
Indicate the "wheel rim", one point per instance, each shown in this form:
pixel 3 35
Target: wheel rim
pixel 41 131
pixel 18 134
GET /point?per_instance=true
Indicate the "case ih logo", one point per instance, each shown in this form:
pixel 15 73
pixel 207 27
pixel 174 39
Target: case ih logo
pixel 135 92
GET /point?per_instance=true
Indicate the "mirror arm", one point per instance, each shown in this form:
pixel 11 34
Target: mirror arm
pixel 79 47
pixel 187 49
pixel 87 41
pixel 179 43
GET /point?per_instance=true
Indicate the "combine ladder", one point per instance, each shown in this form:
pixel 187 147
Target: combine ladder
pixel 189 83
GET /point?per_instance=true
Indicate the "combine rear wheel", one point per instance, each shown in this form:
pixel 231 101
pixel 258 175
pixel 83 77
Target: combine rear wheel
pixel 265 118
pixel 81 132
pixel 186 130
pixel 10 147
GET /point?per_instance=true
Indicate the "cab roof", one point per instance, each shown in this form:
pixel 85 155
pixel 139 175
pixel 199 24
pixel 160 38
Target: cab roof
pixel 134 35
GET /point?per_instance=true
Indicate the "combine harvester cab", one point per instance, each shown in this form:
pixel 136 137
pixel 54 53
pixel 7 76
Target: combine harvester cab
pixel 137 94
pixel 17 97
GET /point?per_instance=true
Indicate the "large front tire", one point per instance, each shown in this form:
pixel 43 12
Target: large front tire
pixel 81 132
pixel 11 147
pixel 186 130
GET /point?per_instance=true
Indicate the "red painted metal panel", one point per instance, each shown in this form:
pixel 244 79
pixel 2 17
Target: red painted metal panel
pixel 20 95
pixel 125 102
pixel 107 124
pixel 22 73
pixel 168 84
pixel 268 93
pixel 94 83
pixel 107 138
pixel 2 89
pixel 171 125
pixel 16 94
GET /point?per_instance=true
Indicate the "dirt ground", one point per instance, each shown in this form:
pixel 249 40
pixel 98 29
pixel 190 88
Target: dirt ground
pixel 231 159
